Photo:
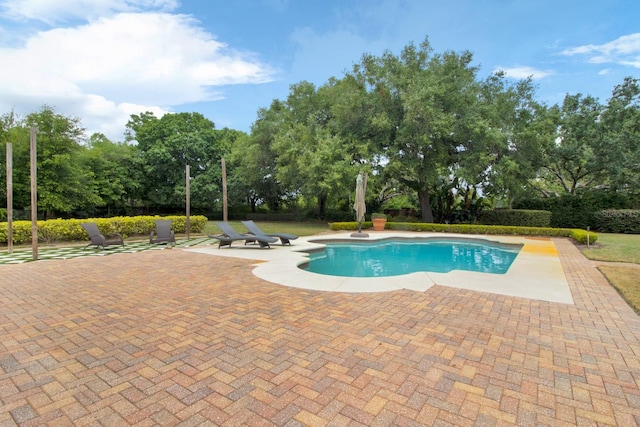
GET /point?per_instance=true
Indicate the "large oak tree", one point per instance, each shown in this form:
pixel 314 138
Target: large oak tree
pixel 434 119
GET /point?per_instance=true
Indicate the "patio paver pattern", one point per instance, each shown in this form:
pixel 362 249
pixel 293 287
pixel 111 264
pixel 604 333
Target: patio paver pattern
pixel 173 337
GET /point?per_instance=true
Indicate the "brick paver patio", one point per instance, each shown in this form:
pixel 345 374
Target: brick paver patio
pixel 177 338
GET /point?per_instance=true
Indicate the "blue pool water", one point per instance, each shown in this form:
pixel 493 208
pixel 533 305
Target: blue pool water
pixel 395 257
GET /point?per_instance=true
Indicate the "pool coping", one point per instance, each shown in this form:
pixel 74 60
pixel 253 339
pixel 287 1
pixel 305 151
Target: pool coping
pixel 536 273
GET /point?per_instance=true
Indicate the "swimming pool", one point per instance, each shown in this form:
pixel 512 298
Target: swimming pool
pixel 536 273
pixel 393 257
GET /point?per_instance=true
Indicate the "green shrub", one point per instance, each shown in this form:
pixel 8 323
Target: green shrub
pixel 516 217
pixel 402 218
pixel 578 210
pixel 21 232
pixel 617 221
pixel 349 225
pixel 583 237
pixel 578 235
pixel 61 230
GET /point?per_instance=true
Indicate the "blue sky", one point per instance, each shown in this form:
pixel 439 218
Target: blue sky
pixel 103 60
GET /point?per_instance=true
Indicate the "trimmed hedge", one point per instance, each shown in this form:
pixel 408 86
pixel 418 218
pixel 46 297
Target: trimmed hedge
pixel 516 217
pixel 617 221
pixel 578 235
pixel 60 230
pixel 577 211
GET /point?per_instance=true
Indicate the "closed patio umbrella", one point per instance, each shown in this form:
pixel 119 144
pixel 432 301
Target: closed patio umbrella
pixel 359 205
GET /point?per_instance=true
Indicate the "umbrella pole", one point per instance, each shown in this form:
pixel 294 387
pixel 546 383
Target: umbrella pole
pixel 359 233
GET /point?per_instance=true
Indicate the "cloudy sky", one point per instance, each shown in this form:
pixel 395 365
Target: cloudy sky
pixel 103 60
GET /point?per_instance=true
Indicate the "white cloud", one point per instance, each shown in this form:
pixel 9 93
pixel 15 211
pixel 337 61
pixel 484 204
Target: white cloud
pixel 108 118
pixel 524 72
pixel 109 68
pixel 624 50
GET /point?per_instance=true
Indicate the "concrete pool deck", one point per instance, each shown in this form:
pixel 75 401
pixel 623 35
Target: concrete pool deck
pixel 536 272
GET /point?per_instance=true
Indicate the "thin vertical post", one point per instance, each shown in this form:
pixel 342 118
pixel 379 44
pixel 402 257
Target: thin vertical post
pixel 34 195
pixel 225 216
pixel 9 198
pixel 188 190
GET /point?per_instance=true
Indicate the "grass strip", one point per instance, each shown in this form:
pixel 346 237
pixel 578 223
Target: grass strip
pixel 626 280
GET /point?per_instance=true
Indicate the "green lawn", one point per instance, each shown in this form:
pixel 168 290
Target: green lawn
pixel 615 247
pixel 619 248
pixel 626 280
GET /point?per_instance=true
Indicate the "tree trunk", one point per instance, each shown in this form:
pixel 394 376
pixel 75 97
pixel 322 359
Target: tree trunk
pixel 425 205
pixel 322 206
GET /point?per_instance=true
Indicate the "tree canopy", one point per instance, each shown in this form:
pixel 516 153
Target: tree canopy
pixel 426 128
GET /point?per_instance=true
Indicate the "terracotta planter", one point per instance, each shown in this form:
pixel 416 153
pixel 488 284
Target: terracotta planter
pixel 378 224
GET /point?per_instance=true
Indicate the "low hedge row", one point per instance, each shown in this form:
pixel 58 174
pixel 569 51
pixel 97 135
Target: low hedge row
pixel 578 235
pixel 61 230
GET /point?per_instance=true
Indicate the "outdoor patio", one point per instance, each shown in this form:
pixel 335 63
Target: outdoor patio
pixel 175 337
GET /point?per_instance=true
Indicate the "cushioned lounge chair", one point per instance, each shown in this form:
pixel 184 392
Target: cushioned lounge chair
pixel 99 239
pixel 163 232
pixel 285 238
pixel 230 235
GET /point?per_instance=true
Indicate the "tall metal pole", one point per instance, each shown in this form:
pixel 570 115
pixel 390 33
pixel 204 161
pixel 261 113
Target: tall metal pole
pixel 188 189
pixel 225 216
pixel 34 195
pixel 9 198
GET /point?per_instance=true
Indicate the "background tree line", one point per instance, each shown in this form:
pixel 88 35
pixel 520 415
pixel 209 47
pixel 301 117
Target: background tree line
pixel 98 177
pixel 431 134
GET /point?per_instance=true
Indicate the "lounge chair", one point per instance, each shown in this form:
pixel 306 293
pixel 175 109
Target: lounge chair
pixel 230 235
pixel 163 232
pixel 285 238
pixel 99 239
